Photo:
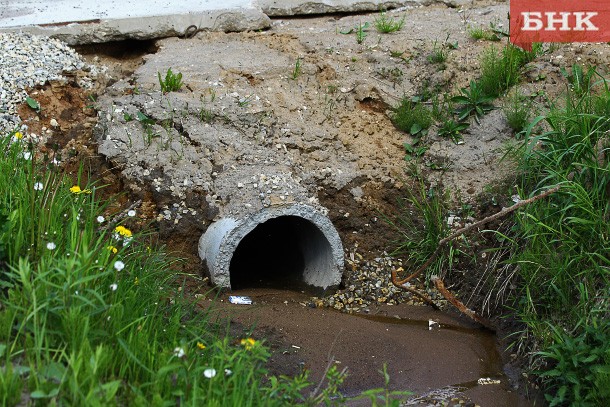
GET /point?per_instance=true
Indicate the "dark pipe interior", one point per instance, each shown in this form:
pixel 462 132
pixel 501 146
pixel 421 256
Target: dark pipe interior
pixel 271 255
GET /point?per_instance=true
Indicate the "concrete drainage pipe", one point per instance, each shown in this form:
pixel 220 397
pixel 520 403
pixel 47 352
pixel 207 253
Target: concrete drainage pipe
pixel 289 241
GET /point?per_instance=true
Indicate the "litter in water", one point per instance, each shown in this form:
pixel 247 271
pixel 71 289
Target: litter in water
pixel 240 299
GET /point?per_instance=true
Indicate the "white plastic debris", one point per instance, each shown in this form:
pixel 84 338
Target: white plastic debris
pixel 487 380
pixel 240 299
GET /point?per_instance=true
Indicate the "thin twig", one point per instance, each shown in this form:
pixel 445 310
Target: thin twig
pixel 117 218
pixel 331 360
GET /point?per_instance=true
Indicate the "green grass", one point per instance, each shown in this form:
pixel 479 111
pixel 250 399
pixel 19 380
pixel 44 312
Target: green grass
pixel 439 54
pixel 296 71
pixel 580 372
pixel 501 68
pixel 517 111
pixel 411 117
pixel 386 25
pixel 482 33
pixel 93 314
pixel 172 81
pixel 422 224
pixel 361 32
pixel 561 245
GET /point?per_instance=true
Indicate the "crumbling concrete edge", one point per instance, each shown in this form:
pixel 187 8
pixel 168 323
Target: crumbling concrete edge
pixel 256 17
pixel 218 244
pixel 283 8
pixel 144 28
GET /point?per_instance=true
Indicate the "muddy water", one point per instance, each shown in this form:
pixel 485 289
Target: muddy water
pixel 437 363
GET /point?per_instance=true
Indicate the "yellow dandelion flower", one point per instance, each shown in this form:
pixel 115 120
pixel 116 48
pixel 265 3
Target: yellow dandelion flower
pixel 248 343
pixel 77 191
pixel 136 281
pixel 123 231
pixel 18 135
pixel 113 249
pixel 200 345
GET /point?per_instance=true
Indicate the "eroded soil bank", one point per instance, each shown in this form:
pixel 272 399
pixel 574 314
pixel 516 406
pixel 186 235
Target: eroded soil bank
pixel 308 99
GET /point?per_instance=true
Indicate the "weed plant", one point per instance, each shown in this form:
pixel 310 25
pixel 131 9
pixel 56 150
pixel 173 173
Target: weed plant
pixel 384 396
pixel 148 127
pixel 501 69
pixel 517 111
pixel 93 314
pixel 453 130
pixel 580 373
pixel 481 33
pixel 562 244
pixel 472 102
pixel 411 117
pixel 439 54
pixel 361 32
pixel 394 75
pixel 580 80
pixel 386 25
pixel 442 107
pixel 172 81
pixel 422 224
pixel 296 72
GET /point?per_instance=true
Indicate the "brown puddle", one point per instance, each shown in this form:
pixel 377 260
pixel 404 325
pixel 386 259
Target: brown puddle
pixel 438 364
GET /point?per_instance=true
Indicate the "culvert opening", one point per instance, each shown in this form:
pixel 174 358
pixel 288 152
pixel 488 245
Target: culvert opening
pixel 286 252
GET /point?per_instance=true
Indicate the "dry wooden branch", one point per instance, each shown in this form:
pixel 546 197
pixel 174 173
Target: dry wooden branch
pixel 413 291
pixel 459 232
pixel 438 282
pixel 440 286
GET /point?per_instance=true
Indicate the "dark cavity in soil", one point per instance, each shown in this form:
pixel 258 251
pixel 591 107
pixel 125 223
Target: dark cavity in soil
pixel 125 49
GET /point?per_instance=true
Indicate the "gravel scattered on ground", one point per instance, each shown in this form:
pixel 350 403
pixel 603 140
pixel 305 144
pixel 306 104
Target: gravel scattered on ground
pixel 368 282
pixel 28 61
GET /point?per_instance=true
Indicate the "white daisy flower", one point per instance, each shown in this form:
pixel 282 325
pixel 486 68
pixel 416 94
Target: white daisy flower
pixel 209 373
pixel 179 352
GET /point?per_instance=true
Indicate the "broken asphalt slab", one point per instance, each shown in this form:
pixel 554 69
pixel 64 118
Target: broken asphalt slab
pixel 77 22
